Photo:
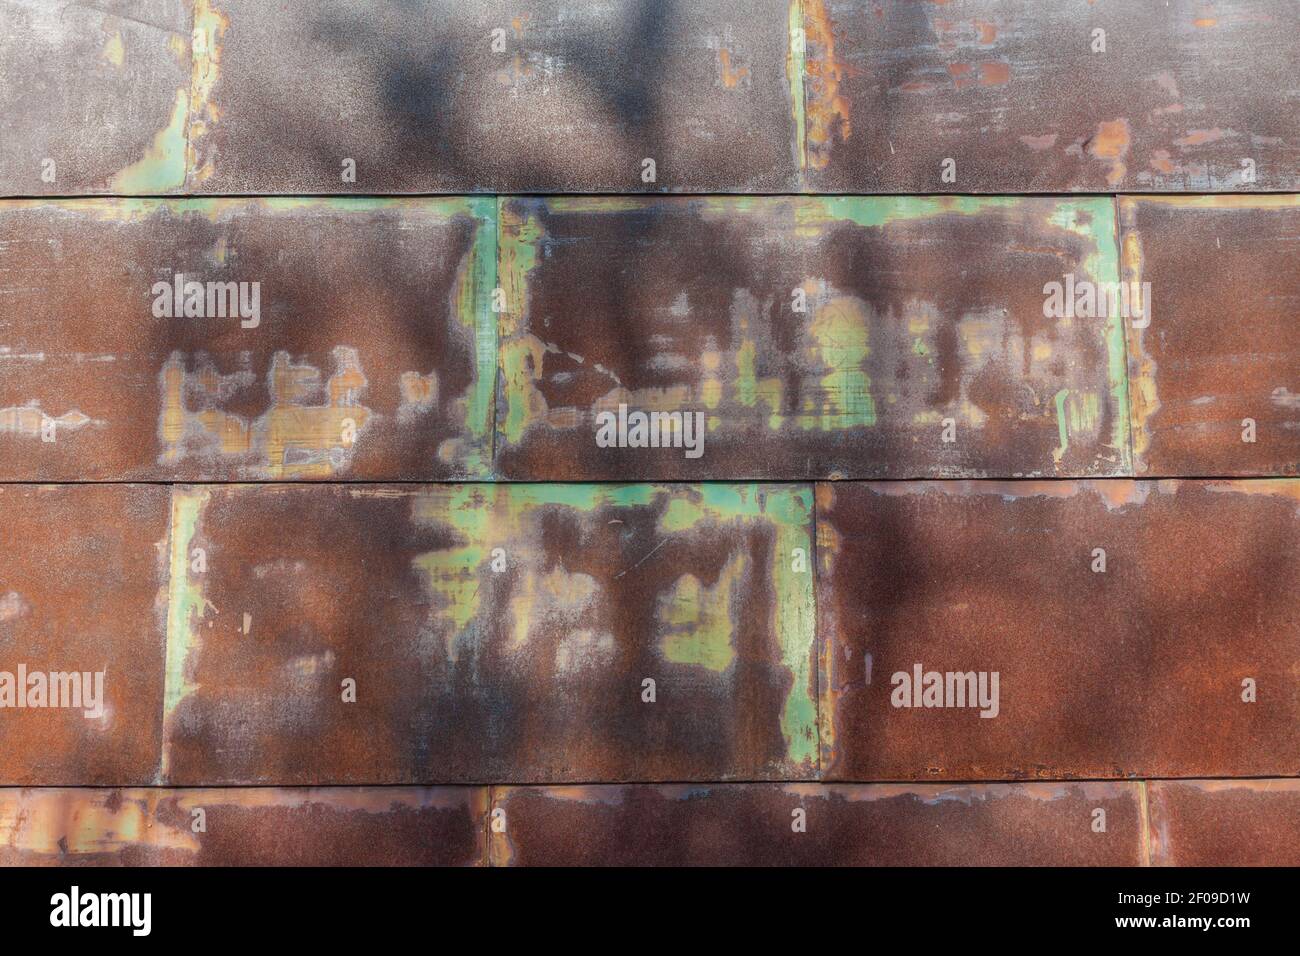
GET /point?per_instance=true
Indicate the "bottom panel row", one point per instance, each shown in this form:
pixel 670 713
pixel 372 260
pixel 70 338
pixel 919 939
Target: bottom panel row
pixel 1129 823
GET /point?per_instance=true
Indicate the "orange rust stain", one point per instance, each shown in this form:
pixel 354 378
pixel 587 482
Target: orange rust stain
pixel 994 74
pixel 1046 141
pixel 730 76
pixel 292 439
pixel 988 31
pixel 418 389
pixel 1161 162
pixel 1199 137
pixel 32 421
pixel 827 110
pixel 1110 144
pixel 1205 22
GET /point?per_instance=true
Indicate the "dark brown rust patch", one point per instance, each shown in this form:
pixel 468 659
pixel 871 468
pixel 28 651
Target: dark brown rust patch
pixel 1016 95
pixel 1223 345
pixel 1225 822
pixel 363 358
pixel 879 825
pixel 453 97
pixel 535 672
pixel 83 589
pixel 816 337
pixel 389 826
pixel 1108 674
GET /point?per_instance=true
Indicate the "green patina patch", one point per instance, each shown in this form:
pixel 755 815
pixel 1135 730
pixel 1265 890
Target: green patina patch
pixel 520 358
pixel 185 605
pixel 696 622
pixel 1094 219
pixel 162 168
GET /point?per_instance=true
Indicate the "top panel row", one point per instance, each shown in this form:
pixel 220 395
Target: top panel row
pixel 159 97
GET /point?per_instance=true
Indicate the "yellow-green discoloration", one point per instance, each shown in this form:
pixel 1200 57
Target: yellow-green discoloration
pixel 790 511
pixel 814 212
pixel 828 353
pixel 476 281
pixel 839 329
pixel 62 823
pixel 1094 219
pixel 795 69
pixel 185 604
pixel 162 168
pixel 294 438
pixel 114 51
pixel 172 157
pixel 696 621
pixel 521 353
pixel 1063 431
pixel 210 26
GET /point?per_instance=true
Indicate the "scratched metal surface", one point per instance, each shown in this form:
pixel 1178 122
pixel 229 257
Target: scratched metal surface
pixel 533 673
pixel 82 590
pixel 388 826
pixel 101 90
pixel 1137 671
pixel 1034 824
pixel 1225 822
pixel 1014 94
pixel 916 310
pixel 372 356
pixel 567 96
pixel 1223 345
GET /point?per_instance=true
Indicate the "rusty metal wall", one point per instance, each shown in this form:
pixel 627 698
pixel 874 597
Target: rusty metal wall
pixel 815 337
pixel 1185 822
pixel 988 551
pixel 1120 619
pixel 153 97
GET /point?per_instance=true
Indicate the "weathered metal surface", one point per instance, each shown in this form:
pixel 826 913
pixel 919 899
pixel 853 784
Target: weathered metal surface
pixel 813 337
pixel 533 672
pixel 1034 824
pixel 342 338
pixel 1099 673
pixel 1020 96
pixel 1225 822
pixel 147 97
pixel 82 597
pixel 1219 362
pixel 388 826
pixel 94 98
pixel 443 95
